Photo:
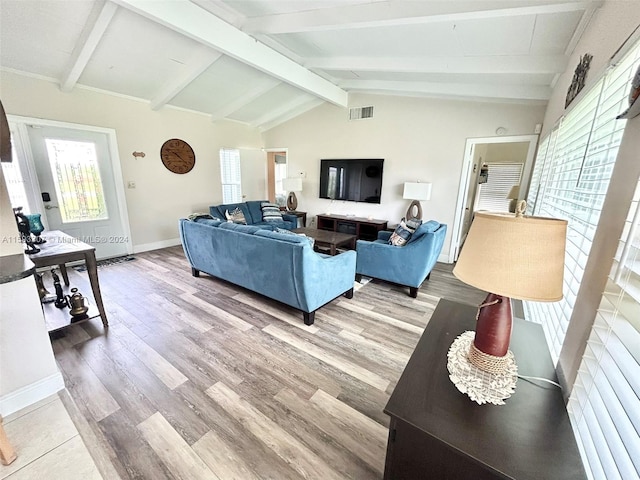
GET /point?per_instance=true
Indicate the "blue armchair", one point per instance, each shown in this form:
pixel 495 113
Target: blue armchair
pixel 407 265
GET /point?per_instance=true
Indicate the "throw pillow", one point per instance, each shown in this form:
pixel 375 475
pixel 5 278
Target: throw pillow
pixel 236 216
pixel 195 216
pixel 403 232
pixel 271 212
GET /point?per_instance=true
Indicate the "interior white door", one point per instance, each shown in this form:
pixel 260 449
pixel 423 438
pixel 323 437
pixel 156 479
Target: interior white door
pixel 74 170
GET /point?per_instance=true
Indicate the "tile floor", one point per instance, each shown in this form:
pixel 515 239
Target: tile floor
pixel 47 444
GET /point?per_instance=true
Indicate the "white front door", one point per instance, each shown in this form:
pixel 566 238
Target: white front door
pixel 75 173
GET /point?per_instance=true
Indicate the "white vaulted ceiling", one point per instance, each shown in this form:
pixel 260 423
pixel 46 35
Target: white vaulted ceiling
pixel 265 61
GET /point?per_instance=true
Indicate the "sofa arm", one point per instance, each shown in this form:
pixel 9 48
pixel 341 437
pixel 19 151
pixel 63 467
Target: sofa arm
pixel 290 218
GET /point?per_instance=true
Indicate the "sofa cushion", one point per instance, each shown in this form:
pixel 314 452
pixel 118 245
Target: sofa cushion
pixel 271 212
pixel 403 232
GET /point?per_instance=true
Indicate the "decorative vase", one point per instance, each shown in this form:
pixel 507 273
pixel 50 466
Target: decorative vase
pixel 36 227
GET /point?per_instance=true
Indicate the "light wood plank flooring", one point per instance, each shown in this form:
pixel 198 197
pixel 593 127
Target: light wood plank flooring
pixel 197 378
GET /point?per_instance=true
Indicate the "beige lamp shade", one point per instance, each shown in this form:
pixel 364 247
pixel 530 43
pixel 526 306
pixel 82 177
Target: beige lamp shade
pixel 514 256
pixel 514 192
pixel 417 191
pixel 292 184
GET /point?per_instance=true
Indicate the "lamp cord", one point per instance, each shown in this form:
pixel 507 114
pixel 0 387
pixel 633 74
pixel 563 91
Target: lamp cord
pixel 524 377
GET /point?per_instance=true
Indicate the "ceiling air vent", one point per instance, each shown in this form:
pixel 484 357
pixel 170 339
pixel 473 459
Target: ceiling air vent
pixel 358 113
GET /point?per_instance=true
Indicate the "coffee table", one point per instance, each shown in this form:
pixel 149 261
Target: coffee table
pixel 328 239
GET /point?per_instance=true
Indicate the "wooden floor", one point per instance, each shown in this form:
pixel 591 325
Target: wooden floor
pixel 196 378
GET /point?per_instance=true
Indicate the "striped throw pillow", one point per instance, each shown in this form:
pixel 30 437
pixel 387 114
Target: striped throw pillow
pixel 271 212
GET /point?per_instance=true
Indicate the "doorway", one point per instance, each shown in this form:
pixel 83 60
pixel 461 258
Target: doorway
pixel 276 173
pixel 72 177
pixel 511 159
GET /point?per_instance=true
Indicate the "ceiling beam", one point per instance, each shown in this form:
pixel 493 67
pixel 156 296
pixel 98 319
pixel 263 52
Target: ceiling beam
pixel 204 27
pixel 292 113
pixel 289 110
pixel 94 29
pixel 195 66
pixel 235 105
pixel 385 14
pixel 480 64
pixel 467 90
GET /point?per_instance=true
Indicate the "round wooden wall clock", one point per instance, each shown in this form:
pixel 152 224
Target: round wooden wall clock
pixel 177 155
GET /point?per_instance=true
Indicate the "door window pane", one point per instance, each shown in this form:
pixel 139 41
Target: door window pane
pixel 76 176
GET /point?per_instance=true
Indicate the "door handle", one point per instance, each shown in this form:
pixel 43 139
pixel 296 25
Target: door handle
pixel 49 207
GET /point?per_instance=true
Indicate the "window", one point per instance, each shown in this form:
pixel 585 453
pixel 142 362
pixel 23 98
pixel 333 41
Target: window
pixel 573 179
pixel 492 195
pixel 76 176
pixel 570 181
pixel 605 402
pixel 15 183
pixel 230 174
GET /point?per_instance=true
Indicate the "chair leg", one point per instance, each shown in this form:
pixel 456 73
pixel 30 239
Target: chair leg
pixel 309 317
pixel 358 277
pixel 194 272
pixel 349 293
pixel 413 292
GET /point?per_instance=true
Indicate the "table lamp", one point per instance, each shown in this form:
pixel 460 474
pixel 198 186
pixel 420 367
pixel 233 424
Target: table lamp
pixel 509 256
pixel 416 191
pixel 292 185
pixel 513 196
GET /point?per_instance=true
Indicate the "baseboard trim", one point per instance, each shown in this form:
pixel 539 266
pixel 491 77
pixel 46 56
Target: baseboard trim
pixel 145 247
pixel 30 394
pixel 442 258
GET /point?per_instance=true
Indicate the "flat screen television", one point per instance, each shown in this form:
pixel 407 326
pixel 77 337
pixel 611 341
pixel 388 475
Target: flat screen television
pixel 355 180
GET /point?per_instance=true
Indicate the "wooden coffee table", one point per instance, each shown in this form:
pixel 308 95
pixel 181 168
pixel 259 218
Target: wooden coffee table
pixel 328 239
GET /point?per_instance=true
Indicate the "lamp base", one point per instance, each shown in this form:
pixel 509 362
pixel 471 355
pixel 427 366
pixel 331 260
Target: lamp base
pixel 479 385
pixel 292 202
pixel 414 206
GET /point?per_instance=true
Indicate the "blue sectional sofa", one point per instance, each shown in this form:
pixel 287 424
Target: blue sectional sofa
pixel 253 214
pixel 408 265
pixel 281 266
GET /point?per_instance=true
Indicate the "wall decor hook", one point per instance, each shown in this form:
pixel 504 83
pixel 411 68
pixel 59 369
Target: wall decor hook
pixel 139 154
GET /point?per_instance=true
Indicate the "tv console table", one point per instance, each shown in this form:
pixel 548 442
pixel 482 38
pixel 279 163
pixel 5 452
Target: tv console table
pixel 362 228
pixel 438 432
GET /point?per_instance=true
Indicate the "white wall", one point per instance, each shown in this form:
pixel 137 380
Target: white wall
pixel 419 138
pixel 28 371
pixel 160 197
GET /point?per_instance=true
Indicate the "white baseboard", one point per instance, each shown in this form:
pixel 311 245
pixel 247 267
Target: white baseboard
pixel 145 247
pixel 444 258
pixel 30 394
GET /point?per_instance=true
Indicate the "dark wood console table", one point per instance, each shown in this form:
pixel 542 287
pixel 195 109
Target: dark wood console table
pixel 437 432
pixel 60 249
pixel 362 228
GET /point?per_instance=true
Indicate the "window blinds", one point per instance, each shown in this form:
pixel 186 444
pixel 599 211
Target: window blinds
pixel 574 172
pixel 230 175
pixel 492 195
pixel 574 177
pixel 605 402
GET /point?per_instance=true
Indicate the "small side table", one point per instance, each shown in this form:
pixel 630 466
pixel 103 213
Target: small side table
pixel 302 215
pixel 60 249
